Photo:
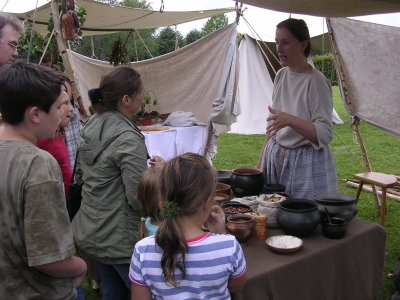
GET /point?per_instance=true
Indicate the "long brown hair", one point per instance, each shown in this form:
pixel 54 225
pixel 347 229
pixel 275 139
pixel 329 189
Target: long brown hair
pixel 187 182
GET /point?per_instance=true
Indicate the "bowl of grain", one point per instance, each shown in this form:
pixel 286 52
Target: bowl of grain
pixel 220 198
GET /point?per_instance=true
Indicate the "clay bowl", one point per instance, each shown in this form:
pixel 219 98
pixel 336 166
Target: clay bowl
pixel 222 188
pixel 247 181
pixel 232 208
pixel 220 198
pixel 335 229
pixel 241 226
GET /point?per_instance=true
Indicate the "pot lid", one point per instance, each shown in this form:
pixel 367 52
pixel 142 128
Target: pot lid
pixel 335 197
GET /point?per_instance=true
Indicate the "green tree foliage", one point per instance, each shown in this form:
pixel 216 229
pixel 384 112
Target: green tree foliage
pixel 325 64
pixel 166 40
pixel 136 4
pixel 39 42
pixel 214 23
pixel 193 36
pixel 103 44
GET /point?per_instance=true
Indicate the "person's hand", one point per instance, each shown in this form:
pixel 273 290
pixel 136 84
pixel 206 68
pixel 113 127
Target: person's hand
pixel 216 220
pixel 156 161
pixel 277 120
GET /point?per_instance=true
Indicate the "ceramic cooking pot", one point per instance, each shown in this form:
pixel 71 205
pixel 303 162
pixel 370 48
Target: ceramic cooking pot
pixel 335 228
pixel 338 205
pixel 246 181
pixel 233 207
pixel 241 226
pixel 298 217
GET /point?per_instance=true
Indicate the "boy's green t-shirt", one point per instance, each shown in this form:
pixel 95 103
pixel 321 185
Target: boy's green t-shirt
pixel 35 227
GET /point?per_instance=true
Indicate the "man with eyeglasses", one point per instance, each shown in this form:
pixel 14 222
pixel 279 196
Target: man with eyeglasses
pixel 10 29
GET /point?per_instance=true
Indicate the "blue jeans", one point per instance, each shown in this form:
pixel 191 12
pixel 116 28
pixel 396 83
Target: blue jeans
pixel 80 293
pixel 115 281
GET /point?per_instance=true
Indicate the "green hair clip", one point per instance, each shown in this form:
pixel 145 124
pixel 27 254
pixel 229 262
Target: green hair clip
pixel 170 210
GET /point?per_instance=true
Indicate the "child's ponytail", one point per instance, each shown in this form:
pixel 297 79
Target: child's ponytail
pixel 187 182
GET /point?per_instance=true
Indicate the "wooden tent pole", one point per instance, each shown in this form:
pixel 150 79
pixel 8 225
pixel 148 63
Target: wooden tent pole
pixel 348 101
pixel 63 51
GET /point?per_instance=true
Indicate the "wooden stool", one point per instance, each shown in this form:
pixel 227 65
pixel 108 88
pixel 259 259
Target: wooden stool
pixel 379 179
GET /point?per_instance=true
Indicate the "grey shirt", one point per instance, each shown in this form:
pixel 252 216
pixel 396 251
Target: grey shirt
pixel 307 96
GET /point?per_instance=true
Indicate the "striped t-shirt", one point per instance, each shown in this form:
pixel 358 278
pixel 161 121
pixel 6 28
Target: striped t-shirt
pixel 210 261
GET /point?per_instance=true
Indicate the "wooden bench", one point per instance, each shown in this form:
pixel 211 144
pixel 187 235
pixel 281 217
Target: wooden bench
pixel 382 180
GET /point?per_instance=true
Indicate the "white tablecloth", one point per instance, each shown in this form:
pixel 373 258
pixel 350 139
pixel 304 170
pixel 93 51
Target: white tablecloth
pixel 176 141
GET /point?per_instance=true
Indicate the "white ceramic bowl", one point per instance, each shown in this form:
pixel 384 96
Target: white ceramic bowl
pixel 284 243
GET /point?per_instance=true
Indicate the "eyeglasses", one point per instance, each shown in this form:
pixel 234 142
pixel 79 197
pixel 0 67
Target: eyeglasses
pixel 13 45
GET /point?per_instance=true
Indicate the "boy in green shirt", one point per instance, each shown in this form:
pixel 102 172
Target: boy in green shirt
pixel 36 244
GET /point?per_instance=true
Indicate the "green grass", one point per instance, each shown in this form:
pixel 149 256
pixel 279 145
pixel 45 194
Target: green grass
pixel 235 151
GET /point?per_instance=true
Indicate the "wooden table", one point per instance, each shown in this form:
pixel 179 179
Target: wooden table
pixel 350 268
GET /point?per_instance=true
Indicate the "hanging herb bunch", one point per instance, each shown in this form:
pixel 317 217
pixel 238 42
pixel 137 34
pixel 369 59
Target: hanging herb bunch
pixel 119 53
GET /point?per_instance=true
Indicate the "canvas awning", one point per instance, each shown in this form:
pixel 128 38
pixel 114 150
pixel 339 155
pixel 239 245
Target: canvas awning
pixel 369 67
pixel 206 88
pixel 330 8
pixel 104 18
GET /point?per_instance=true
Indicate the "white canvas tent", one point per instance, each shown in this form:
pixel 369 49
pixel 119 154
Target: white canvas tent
pixel 255 90
pixel 369 68
pixel 104 18
pixel 196 77
pixel 329 8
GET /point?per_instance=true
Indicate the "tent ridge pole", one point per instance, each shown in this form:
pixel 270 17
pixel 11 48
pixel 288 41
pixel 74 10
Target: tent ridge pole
pixel 64 55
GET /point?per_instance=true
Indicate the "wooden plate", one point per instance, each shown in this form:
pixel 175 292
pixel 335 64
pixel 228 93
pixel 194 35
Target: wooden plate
pixel 284 243
pixel 154 128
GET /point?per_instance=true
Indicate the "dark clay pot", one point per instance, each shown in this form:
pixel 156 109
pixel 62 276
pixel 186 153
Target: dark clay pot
pixel 246 181
pixel 298 217
pixel 229 208
pixel 335 229
pixel 338 205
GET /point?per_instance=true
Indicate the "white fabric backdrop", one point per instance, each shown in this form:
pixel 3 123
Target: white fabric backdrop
pixel 191 78
pixel 254 89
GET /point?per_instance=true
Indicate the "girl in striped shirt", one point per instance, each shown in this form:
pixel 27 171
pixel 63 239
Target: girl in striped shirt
pixel 182 261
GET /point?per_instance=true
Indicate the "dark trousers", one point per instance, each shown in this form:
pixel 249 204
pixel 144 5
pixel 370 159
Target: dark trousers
pixel 115 281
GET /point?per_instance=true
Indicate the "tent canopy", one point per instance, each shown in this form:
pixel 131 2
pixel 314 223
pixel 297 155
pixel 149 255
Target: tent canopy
pixel 370 70
pixel 330 8
pixel 197 88
pixel 104 18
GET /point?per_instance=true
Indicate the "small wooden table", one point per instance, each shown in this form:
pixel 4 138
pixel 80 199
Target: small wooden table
pixel 382 180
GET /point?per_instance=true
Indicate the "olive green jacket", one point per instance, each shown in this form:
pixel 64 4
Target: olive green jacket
pixel 111 157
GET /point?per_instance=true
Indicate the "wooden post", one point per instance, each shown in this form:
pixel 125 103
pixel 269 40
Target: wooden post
pixel 63 51
pixel 348 101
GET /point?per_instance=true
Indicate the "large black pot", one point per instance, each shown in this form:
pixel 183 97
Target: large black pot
pixel 338 205
pixel 298 217
pixel 246 181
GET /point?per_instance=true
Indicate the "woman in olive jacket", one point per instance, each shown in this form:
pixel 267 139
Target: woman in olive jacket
pixel 111 157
